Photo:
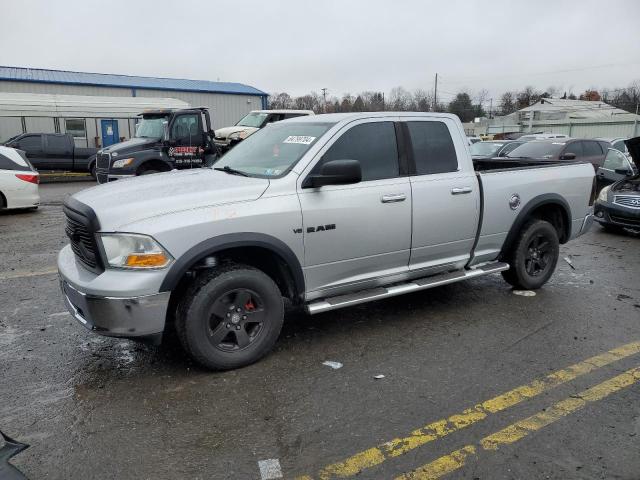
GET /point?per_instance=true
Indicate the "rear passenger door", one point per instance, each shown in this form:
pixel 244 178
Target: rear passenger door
pixel 32 146
pixel 357 234
pixel 446 200
pixel 58 152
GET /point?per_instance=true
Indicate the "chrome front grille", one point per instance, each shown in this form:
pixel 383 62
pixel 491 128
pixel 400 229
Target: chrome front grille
pixel 631 201
pixel 103 161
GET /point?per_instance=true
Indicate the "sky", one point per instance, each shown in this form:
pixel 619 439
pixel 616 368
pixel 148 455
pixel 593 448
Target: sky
pixel 346 46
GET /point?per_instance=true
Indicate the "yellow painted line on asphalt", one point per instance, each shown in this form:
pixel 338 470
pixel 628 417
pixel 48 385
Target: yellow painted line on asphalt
pixel 517 431
pixel 440 428
pixel 10 275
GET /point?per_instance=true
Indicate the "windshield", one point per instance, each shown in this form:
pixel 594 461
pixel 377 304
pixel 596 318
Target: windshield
pixel 485 149
pixel 254 120
pixel 536 150
pixel 151 127
pixel 273 150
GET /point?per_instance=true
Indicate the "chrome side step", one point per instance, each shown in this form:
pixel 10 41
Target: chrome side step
pixel 340 301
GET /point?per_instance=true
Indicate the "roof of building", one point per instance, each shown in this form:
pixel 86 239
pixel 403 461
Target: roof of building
pixel 575 108
pixel 39 75
pixel 45 105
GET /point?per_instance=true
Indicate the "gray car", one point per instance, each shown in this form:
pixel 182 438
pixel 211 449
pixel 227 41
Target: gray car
pixel 327 211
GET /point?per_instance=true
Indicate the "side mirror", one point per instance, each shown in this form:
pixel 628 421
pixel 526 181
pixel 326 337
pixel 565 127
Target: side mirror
pixel 165 132
pixel 623 171
pixel 568 156
pixel 335 172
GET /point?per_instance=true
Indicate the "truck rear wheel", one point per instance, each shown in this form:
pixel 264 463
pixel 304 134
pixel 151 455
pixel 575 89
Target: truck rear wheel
pixel 534 255
pixel 230 317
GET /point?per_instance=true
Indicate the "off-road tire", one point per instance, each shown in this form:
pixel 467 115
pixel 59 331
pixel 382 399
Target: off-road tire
pixel 194 317
pixel 519 255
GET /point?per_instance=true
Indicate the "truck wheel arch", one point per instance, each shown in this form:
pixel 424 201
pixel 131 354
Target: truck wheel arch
pixel 153 164
pixel 549 206
pixel 233 244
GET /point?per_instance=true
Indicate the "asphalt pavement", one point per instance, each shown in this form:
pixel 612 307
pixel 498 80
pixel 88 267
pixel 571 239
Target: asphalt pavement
pixel 463 381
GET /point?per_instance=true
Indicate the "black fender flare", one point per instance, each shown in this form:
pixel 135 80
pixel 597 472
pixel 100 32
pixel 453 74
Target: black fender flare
pixel 523 216
pixel 138 163
pixel 234 240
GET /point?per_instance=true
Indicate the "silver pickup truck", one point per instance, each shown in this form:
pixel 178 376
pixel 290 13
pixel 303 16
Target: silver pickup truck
pixel 326 211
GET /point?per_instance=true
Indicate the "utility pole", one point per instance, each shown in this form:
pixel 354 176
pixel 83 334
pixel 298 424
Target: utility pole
pixel 435 95
pixel 635 120
pixel 383 106
pixel 324 96
pixel 490 107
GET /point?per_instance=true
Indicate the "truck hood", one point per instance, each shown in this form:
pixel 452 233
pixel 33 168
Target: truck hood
pixel 121 203
pixel 131 145
pixel 226 131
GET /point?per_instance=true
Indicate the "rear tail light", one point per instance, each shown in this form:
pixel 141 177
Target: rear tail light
pixel 29 177
pixel 594 192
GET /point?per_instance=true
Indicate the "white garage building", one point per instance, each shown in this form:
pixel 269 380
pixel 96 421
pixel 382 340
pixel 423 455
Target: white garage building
pixel 37 100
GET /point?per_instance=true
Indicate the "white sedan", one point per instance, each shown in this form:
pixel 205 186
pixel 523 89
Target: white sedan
pixel 18 180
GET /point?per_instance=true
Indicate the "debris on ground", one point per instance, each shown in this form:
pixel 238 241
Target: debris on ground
pixel 524 293
pixel 569 262
pixel 332 364
pixel 378 377
pixel 270 469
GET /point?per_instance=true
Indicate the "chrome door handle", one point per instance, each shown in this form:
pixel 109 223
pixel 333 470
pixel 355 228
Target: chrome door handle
pixel 461 190
pixel 393 197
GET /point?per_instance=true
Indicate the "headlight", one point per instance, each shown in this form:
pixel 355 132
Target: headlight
pixel 133 251
pixel 122 163
pixel 603 194
pixel 239 135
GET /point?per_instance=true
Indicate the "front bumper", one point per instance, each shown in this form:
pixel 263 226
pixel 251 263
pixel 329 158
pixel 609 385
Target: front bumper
pixel 117 317
pixel 103 176
pixel 618 215
pixel 117 303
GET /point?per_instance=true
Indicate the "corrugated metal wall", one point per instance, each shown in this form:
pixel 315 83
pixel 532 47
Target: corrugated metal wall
pixel 225 109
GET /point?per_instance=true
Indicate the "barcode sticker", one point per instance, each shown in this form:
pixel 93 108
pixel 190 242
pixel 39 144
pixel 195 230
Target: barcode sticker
pixel 300 139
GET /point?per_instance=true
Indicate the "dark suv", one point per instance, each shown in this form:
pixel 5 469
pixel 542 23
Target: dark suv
pixel 592 151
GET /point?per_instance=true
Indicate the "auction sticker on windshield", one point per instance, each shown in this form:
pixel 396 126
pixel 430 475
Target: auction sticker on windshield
pixel 300 139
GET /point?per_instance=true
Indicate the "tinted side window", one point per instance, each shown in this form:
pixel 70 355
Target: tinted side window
pixel 31 142
pixel 433 149
pixel 6 163
pixel 293 115
pixel 575 147
pixel 373 145
pixel 57 143
pixel 613 160
pixel 592 149
pixel 506 149
pixel 186 128
pixel 619 145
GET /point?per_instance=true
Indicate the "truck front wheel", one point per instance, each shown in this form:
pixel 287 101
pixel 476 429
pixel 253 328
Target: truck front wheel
pixel 534 255
pixel 230 317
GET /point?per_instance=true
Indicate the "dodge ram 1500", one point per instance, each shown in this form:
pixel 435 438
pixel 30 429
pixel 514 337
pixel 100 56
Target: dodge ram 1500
pixel 328 211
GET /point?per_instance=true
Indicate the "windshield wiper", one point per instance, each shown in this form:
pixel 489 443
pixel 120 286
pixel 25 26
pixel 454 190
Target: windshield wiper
pixel 231 171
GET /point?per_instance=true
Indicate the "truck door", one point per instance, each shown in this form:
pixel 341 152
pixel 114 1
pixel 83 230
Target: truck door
pixel 446 200
pixel 614 161
pixel 32 145
pixel 357 234
pixel 58 152
pixel 187 140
